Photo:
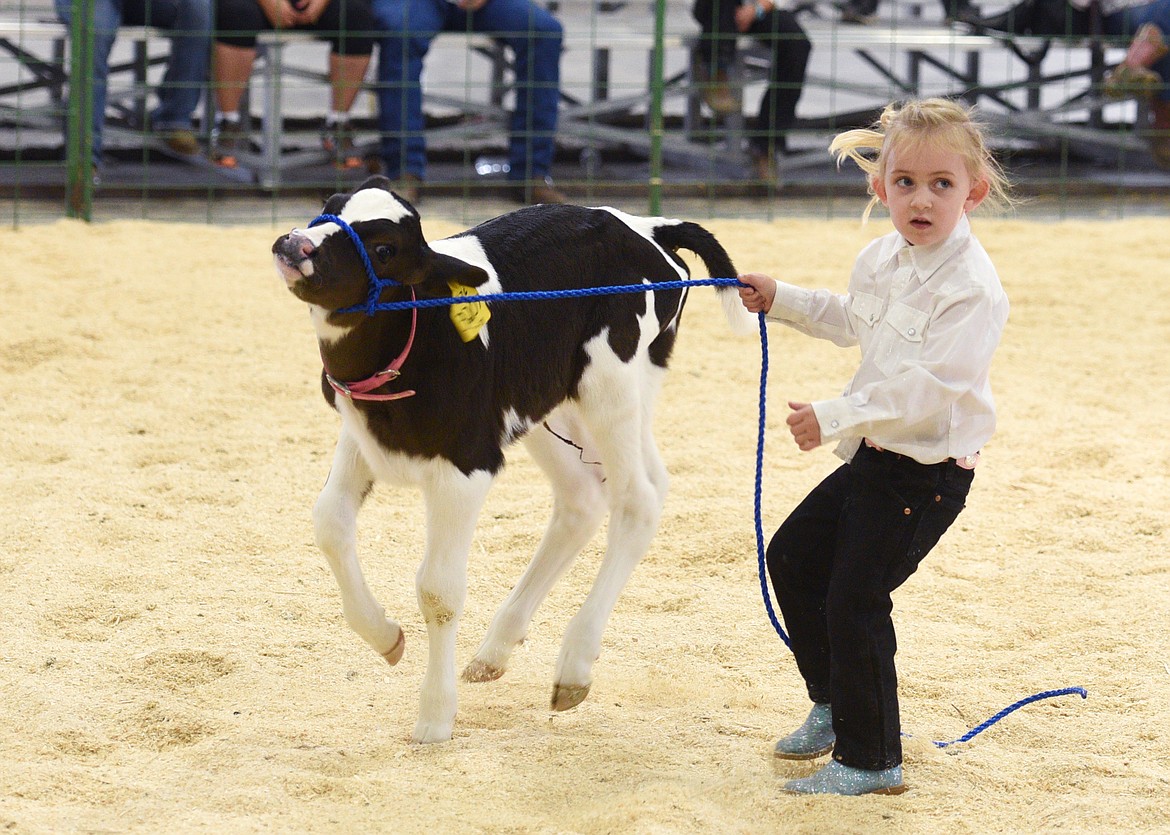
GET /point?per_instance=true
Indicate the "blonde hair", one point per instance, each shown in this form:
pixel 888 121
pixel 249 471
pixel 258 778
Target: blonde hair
pixel 939 121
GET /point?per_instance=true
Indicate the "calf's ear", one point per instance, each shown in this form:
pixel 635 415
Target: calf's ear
pixel 444 270
pixel 376 181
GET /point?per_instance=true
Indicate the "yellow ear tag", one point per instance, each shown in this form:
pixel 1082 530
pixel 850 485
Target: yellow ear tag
pixel 468 318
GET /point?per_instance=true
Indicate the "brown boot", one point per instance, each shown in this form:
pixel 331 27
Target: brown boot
pixel 717 95
pixel 714 88
pixel 533 192
pixel 1160 133
pixel 1133 78
pixel 408 188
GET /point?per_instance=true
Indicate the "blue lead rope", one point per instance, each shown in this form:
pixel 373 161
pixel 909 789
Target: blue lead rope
pixel 1012 708
pixel 372 306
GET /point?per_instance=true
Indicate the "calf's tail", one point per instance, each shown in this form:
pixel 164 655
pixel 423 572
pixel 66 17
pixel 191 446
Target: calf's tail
pixel 699 240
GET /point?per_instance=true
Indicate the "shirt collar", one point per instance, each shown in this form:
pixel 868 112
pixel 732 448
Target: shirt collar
pixel 927 259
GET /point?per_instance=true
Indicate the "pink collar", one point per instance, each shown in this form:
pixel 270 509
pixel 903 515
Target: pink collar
pixel 361 389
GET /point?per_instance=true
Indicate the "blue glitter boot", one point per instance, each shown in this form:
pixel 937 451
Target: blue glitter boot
pixel 813 739
pixel 836 778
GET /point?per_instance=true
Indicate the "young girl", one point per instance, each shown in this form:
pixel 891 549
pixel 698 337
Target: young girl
pixel 926 308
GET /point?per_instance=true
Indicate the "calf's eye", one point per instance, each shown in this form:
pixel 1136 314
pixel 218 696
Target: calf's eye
pixel 385 252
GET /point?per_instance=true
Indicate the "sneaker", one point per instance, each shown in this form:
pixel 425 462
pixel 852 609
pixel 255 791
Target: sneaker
pixel 181 141
pixel 337 140
pixel 228 139
pixel 533 192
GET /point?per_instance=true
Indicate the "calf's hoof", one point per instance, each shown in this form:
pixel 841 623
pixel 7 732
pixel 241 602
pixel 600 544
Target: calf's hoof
pixel 428 733
pixel 567 696
pixel 394 654
pixel 479 671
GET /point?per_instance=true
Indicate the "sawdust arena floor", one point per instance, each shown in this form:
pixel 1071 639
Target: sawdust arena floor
pixel 173 656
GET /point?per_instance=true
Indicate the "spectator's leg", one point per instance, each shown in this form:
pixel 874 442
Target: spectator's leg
pixel 237 22
pixel 346 75
pixel 1154 61
pixel 189 25
pixel 107 17
pixel 409 26
pixel 790 49
pixel 350 27
pixel 534 36
pixel 717 39
pixel 231 70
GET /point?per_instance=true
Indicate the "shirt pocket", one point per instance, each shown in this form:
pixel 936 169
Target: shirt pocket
pixel 904 329
pixel 867 309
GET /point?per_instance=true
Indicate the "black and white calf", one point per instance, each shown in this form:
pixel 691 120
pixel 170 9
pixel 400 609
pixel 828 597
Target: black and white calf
pixel 584 370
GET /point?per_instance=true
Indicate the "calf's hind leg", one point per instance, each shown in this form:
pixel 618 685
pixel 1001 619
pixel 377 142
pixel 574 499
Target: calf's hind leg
pixel 335 525
pixel 637 482
pixel 578 507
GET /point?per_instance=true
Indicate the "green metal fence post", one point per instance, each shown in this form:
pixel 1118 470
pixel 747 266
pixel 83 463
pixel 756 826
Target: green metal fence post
pixel 656 121
pixel 79 142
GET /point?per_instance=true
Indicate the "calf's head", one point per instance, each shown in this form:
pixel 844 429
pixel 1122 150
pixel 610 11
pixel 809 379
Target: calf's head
pixel 323 266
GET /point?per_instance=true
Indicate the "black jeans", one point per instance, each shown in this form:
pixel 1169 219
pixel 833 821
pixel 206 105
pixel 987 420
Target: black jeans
pixel 834 562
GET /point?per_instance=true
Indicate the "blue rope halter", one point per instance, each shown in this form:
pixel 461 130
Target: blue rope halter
pixel 373 306
pixel 377 285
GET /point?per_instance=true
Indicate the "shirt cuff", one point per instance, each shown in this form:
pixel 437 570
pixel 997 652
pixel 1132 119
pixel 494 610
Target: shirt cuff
pixel 790 304
pixel 833 418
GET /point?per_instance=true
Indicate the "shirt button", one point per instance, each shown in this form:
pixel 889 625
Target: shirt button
pixel 834 423
pixel 911 331
pixel 906 511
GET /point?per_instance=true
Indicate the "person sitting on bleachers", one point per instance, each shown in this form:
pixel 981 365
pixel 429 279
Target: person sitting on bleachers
pixel 188 24
pixel 532 34
pixel 348 25
pixel 722 21
pixel 1145 72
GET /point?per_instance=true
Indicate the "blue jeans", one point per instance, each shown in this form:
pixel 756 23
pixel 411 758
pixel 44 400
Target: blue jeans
pixel 834 562
pixel 1128 21
pixel 189 25
pixel 531 33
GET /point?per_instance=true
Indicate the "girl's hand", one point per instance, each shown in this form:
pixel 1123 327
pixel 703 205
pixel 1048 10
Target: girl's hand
pixel 804 426
pixel 758 295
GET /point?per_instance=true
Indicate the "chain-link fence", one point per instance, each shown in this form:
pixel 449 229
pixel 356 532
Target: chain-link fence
pixel 646 109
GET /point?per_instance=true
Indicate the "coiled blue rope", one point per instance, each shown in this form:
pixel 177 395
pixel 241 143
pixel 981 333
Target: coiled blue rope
pixel 372 306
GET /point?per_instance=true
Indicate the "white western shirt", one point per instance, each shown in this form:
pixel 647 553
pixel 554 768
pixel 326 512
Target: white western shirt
pixel 928 320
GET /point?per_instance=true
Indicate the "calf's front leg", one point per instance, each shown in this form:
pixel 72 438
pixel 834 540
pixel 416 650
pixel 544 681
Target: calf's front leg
pixel 453 501
pixel 335 525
